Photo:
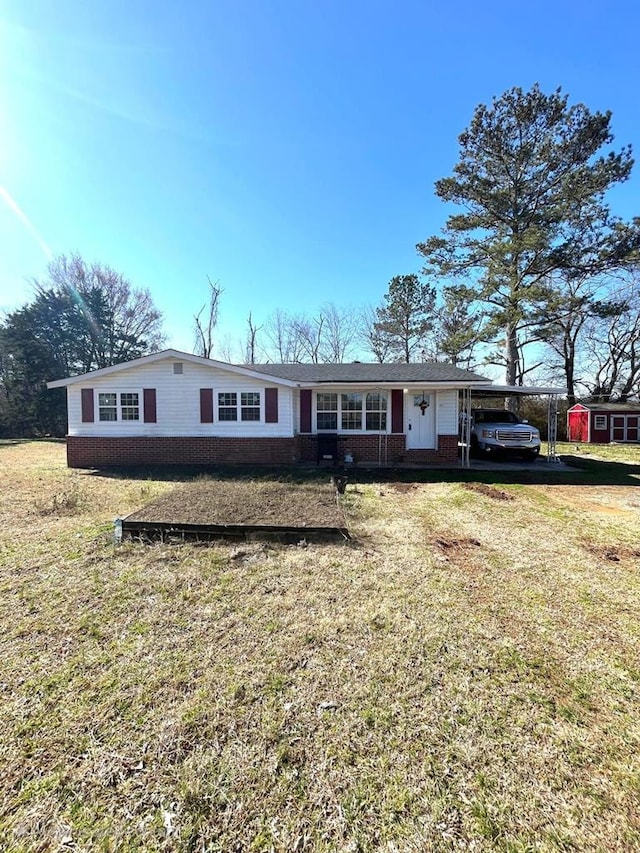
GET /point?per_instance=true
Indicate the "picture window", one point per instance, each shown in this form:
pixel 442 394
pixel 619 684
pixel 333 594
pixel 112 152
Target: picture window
pixel 356 411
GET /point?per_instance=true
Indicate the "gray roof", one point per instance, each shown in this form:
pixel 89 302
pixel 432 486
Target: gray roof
pixel 612 407
pixel 370 373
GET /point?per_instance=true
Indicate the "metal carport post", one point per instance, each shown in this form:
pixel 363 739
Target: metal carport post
pixel 465 425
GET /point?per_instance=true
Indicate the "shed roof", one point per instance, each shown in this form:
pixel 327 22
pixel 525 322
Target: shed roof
pixel 608 407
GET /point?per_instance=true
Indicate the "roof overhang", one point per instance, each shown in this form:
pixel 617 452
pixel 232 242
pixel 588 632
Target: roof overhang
pixel 489 390
pixel 372 383
pixel 239 370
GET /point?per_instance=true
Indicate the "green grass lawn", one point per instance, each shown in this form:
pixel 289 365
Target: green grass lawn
pixel 464 675
pixel 628 454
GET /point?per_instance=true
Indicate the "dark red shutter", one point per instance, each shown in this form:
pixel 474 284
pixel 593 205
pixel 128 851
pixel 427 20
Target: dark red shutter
pixel 206 405
pixel 397 413
pixel 149 405
pixel 271 405
pixel 87 405
pixel 305 410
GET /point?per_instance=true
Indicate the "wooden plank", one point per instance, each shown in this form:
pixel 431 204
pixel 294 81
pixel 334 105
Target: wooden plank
pixel 132 527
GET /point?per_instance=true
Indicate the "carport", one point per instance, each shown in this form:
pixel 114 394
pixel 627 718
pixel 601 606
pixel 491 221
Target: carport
pixel 484 392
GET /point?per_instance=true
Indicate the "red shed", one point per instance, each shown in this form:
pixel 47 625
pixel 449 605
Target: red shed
pixel 602 423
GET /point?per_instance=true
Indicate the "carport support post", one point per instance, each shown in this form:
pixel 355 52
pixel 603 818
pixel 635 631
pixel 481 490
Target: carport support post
pixel 552 428
pixel 465 423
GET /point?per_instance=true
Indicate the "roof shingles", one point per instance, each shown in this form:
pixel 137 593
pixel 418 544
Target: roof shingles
pixel 371 373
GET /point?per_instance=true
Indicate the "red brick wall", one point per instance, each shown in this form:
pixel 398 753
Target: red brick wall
pixel 365 448
pixel 97 451
pixel 447 452
pixel 94 451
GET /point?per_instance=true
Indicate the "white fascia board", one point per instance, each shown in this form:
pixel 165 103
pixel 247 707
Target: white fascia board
pixel 442 384
pixel 515 390
pixel 170 353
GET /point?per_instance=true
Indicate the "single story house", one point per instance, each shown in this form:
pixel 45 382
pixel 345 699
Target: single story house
pixel 176 408
pixel 602 423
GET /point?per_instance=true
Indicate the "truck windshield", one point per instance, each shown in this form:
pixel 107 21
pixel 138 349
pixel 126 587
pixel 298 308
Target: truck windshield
pixel 498 417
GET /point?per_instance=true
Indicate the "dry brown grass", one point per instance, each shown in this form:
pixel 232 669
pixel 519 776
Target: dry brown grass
pixel 252 501
pixel 465 677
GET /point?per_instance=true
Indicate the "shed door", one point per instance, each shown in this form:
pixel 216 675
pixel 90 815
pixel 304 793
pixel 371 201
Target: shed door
pixel 618 432
pixel 632 428
pixel 625 427
pixel 578 426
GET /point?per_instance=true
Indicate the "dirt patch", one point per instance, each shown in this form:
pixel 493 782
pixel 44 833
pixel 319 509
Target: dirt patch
pixel 602 500
pixel 488 491
pixel 613 553
pixel 247 502
pixel 455 546
pixel 402 488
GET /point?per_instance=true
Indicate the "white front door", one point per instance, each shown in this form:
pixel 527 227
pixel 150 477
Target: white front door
pixel 420 408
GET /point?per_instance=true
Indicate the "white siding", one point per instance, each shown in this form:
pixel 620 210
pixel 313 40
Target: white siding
pixel 447 412
pixel 178 402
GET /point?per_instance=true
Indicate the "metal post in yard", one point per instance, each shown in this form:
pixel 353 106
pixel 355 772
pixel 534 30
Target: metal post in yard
pixel 552 428
pixel 465 432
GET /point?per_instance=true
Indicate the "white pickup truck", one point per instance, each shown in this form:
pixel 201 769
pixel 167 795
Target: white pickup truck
pixel 500 431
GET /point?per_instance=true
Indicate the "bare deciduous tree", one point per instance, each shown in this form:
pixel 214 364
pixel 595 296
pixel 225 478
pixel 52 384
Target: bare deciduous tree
pixel 340 333
pixel 283 341
pixel 309 331
pixel 612 347
pixel 251 341
pixel 205 327
pixel 373 338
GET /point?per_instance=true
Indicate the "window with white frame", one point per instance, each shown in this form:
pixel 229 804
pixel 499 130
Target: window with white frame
pixel 129 407
pixel 600 422
pixel 108 407
pixel 113 406
pixel 228 406
pixel 376 411
pixel 249 408
pixel 327 412
pixel 353 411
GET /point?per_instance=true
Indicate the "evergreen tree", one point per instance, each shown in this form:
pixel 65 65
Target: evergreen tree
pixel 531 183
pixel 406 318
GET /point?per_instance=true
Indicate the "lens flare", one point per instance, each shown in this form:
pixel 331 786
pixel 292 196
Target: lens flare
pixel 22 216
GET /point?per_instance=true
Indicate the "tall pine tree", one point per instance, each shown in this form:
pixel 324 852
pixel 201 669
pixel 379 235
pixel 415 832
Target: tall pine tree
pixel 530 184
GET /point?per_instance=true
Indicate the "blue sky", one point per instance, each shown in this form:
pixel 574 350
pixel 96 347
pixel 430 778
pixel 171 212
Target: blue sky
pixel 287 148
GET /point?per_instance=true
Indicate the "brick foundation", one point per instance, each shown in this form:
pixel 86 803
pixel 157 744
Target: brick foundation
pixel 365 448
pixel 99 451
pixel 447 452
pixel 95 452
